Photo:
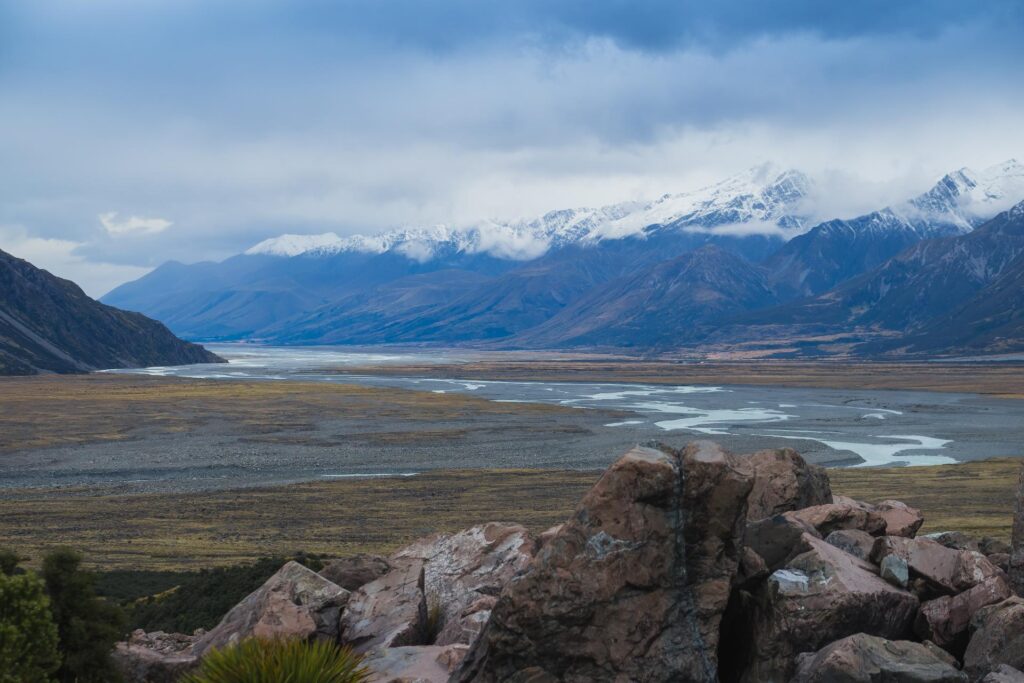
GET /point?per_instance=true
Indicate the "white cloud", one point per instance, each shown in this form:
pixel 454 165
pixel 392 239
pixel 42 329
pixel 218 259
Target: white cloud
pixel 133 224
pixel 59 257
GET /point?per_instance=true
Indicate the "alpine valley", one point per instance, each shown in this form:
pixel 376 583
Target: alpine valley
pixel 746 265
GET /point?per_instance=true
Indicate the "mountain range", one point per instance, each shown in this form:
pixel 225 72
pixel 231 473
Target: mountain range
pixel 743 256
pixel 49 325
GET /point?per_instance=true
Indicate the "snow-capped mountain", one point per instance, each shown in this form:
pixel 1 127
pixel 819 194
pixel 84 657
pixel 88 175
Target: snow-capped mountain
pixel 523 282
pixel 837 250
pixel 760 200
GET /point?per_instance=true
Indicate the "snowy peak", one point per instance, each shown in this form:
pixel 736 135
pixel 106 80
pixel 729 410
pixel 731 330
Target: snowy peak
pixel 762 199
pixel 965 198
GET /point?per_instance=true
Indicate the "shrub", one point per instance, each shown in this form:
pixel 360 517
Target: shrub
pixel 273 661
pixel 87 626
pixel 9 561
pixel 28 636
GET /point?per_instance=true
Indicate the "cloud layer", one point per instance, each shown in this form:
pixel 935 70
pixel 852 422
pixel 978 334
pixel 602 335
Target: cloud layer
pixel 235 121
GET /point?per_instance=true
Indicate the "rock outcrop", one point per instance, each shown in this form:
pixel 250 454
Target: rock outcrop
pixel 155 657
pixel 835 516
pixel 997 637
pixel 784 481
pixel 862 658
pixel 388 612
pixel 296 602
pixel 820 596
pixel 944 620
pixel 634 585
pixel 465 572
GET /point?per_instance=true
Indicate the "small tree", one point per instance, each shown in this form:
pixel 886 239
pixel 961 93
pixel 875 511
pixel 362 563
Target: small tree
pixel 88 626
pixel 28 636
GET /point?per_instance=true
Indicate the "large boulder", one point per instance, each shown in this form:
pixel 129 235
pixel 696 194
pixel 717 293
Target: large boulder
pixel 777 539
pixel 945 620
pixel 634 585
pixel 388 612
pixel 997 637
pixel 414 664
pixel 155 657
pixel 834 516
pixel 854 541
pixel 947 570
pixel 355 571
pixel 861 658
pixel 465 572
pixel 784 481
pixel 820 596
pixel 900 518
pixel 296 602
pixel 1017 540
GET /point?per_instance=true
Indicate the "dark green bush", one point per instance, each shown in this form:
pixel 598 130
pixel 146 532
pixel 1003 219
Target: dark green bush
pixel 28 636
pixel 87 626
pixel 9 561
pixel 275 661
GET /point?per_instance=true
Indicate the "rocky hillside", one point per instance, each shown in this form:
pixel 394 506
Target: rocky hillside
pixel 679 565
pixel 49 325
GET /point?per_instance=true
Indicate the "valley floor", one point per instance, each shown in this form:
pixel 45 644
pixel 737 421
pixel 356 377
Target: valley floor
pixel 65 441
pixel 180 531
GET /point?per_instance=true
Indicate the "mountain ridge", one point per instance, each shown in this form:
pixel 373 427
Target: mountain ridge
pixel 48 324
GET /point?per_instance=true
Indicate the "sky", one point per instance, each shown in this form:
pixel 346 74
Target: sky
pixel 133 132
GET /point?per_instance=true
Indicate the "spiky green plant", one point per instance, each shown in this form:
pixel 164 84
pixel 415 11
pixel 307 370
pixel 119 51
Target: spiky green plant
pixel 256 660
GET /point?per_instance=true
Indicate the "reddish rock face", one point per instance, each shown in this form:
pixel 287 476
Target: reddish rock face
pixel 945 569
pixel 854 541
pixel 1017 544
pixel 834 516
pixel 783 481
pixel 778 539
pixel 862 658
pixel 944 620
pixel 997 637
pixel 820 596
pixel 461 569
pixel 410 664
pixel 634 585
pixel 388 612
pixel 900 519
pixel 294 603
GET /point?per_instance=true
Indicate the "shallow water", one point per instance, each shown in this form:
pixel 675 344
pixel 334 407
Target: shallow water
pixel 857 428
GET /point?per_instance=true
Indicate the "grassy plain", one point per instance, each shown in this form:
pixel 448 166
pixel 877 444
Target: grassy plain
pixel 179 531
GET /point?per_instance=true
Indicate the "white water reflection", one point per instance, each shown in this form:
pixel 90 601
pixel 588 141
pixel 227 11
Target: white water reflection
pixel 845 421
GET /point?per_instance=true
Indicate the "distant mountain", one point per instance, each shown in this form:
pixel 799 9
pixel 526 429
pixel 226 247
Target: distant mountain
pixel 838 250
pixel 934 296
pixel 329 289
pixel 676 271
pixel 985 311
pixel 49 325
pixel 664 306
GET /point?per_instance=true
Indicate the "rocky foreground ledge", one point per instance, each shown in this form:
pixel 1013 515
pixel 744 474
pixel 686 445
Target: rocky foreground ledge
pixel 691 565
